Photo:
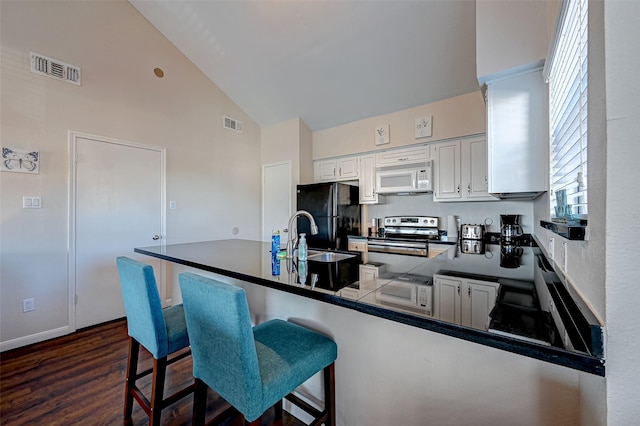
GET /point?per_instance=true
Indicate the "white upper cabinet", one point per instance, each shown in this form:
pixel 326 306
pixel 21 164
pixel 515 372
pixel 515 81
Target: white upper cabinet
pixel 447 173
pixel 461 171
pixel 415 154
pixel 335 169
pixel 367 181
pixel 518 135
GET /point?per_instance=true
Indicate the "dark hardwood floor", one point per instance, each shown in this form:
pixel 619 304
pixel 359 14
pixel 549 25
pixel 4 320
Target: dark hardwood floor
pixel 79 379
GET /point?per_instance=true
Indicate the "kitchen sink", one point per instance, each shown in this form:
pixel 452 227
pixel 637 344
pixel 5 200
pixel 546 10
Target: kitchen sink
pixel 327 256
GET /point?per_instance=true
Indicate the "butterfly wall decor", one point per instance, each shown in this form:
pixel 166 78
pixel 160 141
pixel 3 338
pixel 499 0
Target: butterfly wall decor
pixel 20 160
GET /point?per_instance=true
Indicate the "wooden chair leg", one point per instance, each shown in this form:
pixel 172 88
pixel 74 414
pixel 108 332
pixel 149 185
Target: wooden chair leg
pixel 330 394
pixel 277 410
pixel 132 371
pixel 199 403
pixel 157 390
pixel 256 422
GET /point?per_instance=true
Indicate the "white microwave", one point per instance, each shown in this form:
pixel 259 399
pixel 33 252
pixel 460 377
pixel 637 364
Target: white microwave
pixel 408 178
pixel 414 292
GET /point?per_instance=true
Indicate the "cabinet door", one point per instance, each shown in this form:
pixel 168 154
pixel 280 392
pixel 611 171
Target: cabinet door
pixel 367 274
pixel 446 299
pixel 367 181
pixel 518 134
pixel 478 298
pixel 476 164
pixel 404 156
pixel 347 168
pixel 447 172
pixel 325 170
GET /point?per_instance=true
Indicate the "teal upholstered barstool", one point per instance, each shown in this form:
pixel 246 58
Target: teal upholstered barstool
pixel 161 331
pixel 252 368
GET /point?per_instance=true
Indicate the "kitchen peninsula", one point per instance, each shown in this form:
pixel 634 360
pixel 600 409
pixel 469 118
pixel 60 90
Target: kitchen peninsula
pixel 251 261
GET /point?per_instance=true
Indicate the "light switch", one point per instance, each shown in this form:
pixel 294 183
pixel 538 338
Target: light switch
pixel 172 205
pixel 31 202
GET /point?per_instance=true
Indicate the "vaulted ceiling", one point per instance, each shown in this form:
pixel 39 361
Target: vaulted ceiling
pixel 327 62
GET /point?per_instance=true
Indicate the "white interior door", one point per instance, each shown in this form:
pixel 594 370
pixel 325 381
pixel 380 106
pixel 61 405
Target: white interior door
pixel 118 206
pixel 276 199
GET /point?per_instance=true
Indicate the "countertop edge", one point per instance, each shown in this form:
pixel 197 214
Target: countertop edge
pixel 577 361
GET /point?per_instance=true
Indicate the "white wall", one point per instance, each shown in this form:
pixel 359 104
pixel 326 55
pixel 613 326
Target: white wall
pixel 453 117
pixel 289 141
pixel 213 174
pixel 473 213
pixel 509 35
pixel 621 37
pixel 604 269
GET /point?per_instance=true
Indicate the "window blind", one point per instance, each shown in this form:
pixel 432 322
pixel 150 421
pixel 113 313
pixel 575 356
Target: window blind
pixel 567 77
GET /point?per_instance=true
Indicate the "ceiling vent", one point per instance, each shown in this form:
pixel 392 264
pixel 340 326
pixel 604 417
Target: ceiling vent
pixel 231 124
pixel 55 69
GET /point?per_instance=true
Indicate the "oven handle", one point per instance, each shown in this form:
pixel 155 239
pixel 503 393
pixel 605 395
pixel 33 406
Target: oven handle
pixel 398 248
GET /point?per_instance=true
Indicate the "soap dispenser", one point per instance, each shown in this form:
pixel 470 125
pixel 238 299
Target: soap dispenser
pixel 302 247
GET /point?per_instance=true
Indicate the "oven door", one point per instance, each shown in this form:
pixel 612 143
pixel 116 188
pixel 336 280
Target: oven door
pixel 408 247
pixel 394 181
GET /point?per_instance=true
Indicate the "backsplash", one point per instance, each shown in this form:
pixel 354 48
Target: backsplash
pixel 470 212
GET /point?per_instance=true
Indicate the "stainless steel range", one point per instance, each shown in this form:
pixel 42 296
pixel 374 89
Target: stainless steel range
pixel 405 235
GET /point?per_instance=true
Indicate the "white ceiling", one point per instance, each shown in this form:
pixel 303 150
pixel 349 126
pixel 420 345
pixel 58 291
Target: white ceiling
pixel 327 62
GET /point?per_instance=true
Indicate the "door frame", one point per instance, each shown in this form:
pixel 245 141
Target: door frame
pixel 71 230
pixel 264 167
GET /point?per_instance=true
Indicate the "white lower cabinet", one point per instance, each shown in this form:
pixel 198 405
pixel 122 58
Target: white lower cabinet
pixel 463 301
pixel 369 272
pixel 460 171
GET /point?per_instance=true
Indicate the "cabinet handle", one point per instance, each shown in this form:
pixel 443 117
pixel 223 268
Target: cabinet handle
pixel 458 188
pixel 403 159
pixel 469 291
pixel 469 188
pixel 458 288
pixel 340 171
pixel 334 171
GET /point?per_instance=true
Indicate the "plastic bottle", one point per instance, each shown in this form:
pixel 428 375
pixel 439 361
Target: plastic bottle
pixel 302 272
pixel 275 242
pixel 302 247
pixel 275 247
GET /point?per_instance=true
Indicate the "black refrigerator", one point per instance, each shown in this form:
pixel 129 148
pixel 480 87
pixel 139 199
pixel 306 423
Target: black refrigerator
pixel 336 210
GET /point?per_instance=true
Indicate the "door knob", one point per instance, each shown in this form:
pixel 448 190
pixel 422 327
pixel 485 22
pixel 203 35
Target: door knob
pixel 156 237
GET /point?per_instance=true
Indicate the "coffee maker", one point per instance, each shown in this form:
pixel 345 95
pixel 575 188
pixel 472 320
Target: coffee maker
pixel 510 229
pixel 510 238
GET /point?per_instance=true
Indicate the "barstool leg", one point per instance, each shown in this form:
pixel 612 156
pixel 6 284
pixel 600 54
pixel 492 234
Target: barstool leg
pixel 199 403
pixel 330 394
pixel 256 422
pixel 157 390
pixel 277 408
pixel 130 381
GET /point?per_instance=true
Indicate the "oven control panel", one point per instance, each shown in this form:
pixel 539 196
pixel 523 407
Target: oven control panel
pixel 412 221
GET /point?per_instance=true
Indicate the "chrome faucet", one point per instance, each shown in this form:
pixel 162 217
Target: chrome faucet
pixel 293 234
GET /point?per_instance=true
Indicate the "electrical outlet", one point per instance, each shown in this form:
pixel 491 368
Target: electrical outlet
pixel 31 202
pixel 28 305
pixel 551 247
pixel 172 205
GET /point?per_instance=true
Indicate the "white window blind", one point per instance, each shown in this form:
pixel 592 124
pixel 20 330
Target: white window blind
pixel 567 78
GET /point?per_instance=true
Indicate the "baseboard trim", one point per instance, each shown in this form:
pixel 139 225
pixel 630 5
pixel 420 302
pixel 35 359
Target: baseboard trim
pixel 33 338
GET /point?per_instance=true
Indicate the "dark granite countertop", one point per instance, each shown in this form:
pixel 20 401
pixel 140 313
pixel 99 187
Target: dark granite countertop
pixel 252 261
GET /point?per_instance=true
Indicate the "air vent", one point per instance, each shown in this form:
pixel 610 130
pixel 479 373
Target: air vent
pixel 231 124
pixel 55 69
